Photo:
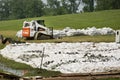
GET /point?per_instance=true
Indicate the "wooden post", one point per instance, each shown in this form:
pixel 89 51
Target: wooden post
pixel 42 58
pixel 1 77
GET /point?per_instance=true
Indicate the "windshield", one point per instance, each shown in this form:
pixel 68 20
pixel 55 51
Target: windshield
pixel 27 24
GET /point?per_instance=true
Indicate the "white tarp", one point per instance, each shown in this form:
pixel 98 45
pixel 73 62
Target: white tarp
pixel 67 57
pixel 72 32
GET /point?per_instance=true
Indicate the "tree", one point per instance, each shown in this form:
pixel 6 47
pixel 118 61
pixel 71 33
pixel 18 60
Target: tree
pixel 33 8
pixel 108 4
pixel 89 5
pixel 53 7
pixel 71 6
pixel 37 8
pixel 4 9
pixel 59 7
pixel 17 9
pixel 116 4
pixel 74 4
pixel 26 8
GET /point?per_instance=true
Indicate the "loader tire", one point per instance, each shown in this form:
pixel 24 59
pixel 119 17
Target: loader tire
pixel 37 36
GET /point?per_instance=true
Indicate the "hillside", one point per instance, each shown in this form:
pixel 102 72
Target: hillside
pixel 108 18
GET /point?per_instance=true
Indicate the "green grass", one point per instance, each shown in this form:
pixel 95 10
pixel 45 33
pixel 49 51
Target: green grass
pixel 108 18
pixel 8 33
pixel 42 72
pixel 99 38
pixel 31 71
pixel 16 65
pixel 99 19
pixel 2 46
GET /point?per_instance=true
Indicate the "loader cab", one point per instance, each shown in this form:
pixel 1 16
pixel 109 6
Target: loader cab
pixel 27 28
pixel 26 24
pixel 41 22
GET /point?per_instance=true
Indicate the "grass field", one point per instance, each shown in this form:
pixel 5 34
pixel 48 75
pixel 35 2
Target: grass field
pixel 31 71
pixel 108 18
pixel 106 38
pixel 16 65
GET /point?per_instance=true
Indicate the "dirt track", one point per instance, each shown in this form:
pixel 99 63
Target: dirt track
pixel 89 76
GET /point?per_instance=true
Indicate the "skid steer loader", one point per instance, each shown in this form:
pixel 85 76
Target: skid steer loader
pixel 36 30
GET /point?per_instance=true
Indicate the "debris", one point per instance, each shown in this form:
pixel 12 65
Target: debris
pixel 4 40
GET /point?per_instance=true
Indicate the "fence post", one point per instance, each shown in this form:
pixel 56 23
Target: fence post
pixel 42 58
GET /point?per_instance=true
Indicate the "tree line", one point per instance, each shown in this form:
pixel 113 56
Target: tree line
pixel 18 9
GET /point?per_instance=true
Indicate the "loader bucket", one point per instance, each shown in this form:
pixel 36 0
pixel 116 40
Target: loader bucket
pixel 26 32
